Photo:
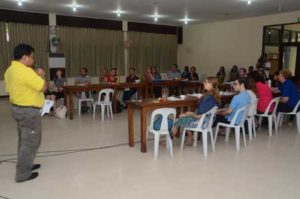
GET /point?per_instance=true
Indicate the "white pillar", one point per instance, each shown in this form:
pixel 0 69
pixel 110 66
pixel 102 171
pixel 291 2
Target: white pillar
pixel 125 38
pixel 52 19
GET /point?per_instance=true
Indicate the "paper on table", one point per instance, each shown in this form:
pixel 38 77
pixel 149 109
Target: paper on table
pixel 198 95
pixel 224 93
pixel 173 98
pixel 47 106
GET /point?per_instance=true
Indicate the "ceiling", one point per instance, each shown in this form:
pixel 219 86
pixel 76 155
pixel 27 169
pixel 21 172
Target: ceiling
pixel 168 11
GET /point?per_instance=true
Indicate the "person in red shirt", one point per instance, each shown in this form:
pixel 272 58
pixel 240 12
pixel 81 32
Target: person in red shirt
pixel 112 77
pixel 264 92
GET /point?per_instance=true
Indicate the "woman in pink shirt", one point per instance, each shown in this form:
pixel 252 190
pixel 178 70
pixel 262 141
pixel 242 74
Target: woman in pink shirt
pixel 263 91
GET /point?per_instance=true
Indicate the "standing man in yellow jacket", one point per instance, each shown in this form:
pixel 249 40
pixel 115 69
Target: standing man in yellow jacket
pixel 25 87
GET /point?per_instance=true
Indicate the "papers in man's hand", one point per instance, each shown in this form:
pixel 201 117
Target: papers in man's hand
pixel 47 106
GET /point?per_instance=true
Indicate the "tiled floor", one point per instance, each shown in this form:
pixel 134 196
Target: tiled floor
pixel 267 168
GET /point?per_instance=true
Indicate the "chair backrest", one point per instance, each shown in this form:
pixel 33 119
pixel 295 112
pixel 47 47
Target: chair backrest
pixel 296 107
pixel 209 114
pixel 107 95
pixel 83 95
pixel 165 113
pixel 252 108
pixel 274 101
pixel 243 110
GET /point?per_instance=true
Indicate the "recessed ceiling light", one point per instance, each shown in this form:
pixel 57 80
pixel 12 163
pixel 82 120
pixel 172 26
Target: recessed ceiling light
pixel 186 20
pixel 20 3
pixel 74 7
pixel 119 12
pixel 249 2
pixel 155 16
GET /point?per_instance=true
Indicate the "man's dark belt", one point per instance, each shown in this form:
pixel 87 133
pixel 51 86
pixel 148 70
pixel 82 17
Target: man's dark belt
pixel 26 106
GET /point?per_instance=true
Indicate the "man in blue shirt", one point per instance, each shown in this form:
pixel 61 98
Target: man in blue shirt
pixel 289 93
pixel 242 99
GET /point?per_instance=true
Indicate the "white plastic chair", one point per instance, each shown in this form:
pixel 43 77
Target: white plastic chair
pixel 296 112
pixel 251 119
pixel 165 113
pixel 237 127
pixel 271 117
pixel 204 131
pixel 105 98
pixel 84 98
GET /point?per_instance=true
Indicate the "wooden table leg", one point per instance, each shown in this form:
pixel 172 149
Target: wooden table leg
pixel 130 126
pixel 71 105
pixel 143 130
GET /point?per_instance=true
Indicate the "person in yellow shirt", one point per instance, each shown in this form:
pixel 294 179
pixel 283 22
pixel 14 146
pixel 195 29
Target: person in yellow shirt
pixel 25 87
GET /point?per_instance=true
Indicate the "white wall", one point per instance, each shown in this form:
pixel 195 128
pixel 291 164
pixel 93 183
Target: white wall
pixel 210 45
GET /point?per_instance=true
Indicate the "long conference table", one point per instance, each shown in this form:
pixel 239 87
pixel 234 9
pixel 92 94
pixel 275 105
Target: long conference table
pixel 144 89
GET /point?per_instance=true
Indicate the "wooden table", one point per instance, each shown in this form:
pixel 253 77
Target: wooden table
pixel 147 105
pixel 197 86
pixel 70 91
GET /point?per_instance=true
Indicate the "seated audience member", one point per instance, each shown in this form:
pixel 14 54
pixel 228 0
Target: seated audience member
pixel 56 91
pixel 174 73
pixel 156 76
pixel 105 74
pixel 243 73
pixel 275 79
pixel 194 76
pixel 221 74
pixel 225 115
pixel 263 92
pixel 250 69
pixel 112 77
pixel 83 79
pixel 186 73
pixel 288 91
pixel 155 73
pixel 206 102
pixel 148 77
pixel 234 73
pixel 129 92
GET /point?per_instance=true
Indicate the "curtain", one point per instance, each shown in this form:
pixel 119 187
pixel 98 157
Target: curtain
pixel 95 49
pixel 151 49
pixel 35 35
pixel 3 50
